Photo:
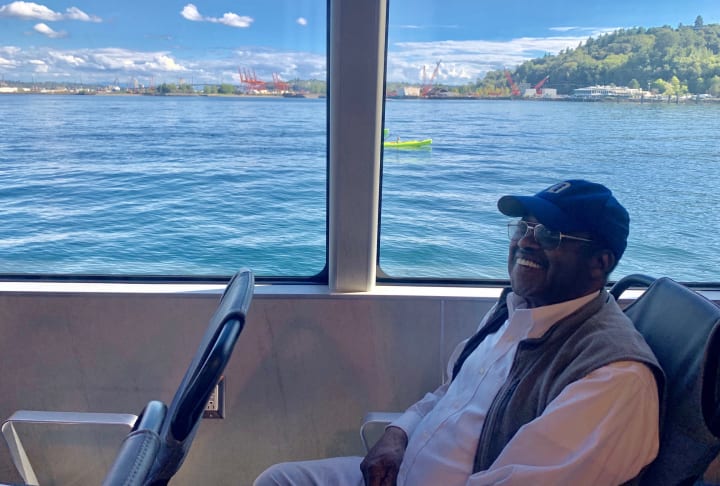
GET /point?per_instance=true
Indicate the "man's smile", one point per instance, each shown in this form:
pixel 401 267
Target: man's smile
pixel 526 262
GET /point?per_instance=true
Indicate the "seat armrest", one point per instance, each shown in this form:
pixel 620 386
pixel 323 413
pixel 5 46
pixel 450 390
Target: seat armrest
pixel 17 451
pixel 375 418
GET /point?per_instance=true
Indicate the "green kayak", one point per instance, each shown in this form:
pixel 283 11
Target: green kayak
pixel 409 144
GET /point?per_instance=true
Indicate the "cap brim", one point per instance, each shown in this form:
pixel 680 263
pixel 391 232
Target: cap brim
pixel 545 212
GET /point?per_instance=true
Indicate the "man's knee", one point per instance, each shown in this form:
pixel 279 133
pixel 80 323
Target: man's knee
pixel 275 475
pixel 337 471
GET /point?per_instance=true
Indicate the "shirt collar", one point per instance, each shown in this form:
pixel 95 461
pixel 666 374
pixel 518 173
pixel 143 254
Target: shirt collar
pixel 542 318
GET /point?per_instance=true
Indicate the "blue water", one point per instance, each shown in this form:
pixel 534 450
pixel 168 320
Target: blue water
pixel 165 185
pixel 662 161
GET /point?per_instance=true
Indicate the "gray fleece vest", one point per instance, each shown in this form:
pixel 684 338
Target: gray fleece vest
pixel 593 336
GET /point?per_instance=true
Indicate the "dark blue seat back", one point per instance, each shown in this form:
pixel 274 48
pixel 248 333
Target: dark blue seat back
pixel 208 364
pixel 139 449
pixel 683 329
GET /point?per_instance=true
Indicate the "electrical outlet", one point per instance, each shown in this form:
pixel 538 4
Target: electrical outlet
pixel 215 407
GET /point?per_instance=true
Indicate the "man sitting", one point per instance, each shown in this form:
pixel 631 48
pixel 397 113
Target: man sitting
pixel 556 387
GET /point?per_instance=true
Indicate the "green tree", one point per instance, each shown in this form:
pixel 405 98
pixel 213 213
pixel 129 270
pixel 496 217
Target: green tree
pixel 226 88
pixel 714 86
pixel 661 86
pixel 166 88
pixel 678 87
pixel 699 22
pixel 692 54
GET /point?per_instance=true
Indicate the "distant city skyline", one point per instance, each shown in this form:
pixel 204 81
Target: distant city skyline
pixel 206 42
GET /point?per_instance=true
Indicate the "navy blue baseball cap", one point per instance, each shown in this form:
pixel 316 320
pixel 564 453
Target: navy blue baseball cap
pixel 575 206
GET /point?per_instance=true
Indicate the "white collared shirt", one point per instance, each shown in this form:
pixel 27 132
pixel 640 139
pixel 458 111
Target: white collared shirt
pixel 601 429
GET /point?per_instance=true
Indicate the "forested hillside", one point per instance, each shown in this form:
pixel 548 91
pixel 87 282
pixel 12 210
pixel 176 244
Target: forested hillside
pixel 667 60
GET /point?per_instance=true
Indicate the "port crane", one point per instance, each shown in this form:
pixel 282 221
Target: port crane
pixel 514 90
pixel 427 84
pixel 538 87
pixel 250 80
pixel 280 85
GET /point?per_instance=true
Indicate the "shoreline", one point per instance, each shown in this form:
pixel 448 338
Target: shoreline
pixel 655 100
pixel 168 95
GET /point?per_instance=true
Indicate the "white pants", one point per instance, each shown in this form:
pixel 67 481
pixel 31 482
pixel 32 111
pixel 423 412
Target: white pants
pixel 336 471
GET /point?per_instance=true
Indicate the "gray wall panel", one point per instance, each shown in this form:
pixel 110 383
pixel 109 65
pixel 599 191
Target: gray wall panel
pixel 303 374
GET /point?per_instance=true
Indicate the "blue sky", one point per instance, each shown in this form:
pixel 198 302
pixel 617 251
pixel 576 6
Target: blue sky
pixel 208 40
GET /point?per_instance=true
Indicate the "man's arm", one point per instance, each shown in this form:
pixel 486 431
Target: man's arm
pixel 382 463
pixel 601 430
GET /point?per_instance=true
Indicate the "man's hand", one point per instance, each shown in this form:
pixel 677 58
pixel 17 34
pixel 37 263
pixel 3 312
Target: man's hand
pixel 381 465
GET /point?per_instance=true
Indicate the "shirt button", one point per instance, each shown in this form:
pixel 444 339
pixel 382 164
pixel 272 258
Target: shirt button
pixel 482 371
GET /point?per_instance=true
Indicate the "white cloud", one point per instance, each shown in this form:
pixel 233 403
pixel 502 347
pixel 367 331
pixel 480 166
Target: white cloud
pixel 98 65
pixel 163 62
pixel 39 66
pixel 233 20
pixel 29 11
pixel 461 61
pixel 34 11
pixel 10 50
pixel 128 61
pixel 302 21
pixel 67 58
pixel 45 30
pixel 588 31
pixel 190 12
pixel 74 13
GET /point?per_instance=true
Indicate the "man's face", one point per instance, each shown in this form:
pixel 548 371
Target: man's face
pixel 548 276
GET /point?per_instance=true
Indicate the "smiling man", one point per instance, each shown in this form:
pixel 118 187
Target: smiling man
pixel 556 387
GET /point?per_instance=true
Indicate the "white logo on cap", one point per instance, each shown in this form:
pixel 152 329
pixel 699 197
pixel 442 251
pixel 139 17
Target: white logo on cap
pixel 557 188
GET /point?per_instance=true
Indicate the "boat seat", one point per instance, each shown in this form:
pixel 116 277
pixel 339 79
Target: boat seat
pixel 683 330
pixel 160 436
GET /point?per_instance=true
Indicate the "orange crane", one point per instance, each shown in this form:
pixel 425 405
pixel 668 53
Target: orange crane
pixel 279 85
pixel 538 87
pixel 427 84
pixel 514 90
pixel 250 80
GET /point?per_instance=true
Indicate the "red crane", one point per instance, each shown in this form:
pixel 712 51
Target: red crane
pixel 538 87
pixel 250 80
pixel 514 90
pixel 280 85
pixel 427 84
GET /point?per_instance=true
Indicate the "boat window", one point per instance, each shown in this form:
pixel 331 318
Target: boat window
pixel 163 138
pixel 487 99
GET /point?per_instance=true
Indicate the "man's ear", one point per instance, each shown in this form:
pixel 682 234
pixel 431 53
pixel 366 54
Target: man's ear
pixel 603 262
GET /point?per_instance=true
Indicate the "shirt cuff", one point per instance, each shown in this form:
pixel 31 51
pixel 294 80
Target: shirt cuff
pixel 407 422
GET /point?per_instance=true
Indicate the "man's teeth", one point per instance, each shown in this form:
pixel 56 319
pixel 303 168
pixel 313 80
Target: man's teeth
pixel 527 263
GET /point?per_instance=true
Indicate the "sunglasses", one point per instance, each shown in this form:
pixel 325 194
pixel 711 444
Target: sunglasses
pixel 546 238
